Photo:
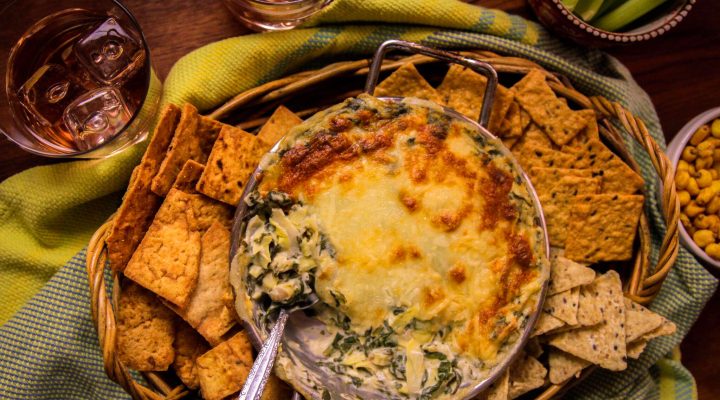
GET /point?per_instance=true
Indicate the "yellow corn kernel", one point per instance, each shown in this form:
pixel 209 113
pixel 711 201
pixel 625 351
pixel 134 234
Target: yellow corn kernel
pixel 715 156
pixel 704 178
pixel 705 196
pixel 715 185
pixel 713 222
pixel 683 165
pixel 706 148
pixel 713 250
pixel 693 209
pixel 703 221
pixel 715 174
pixel 703 237
pixel 691 169
pixel 703 162
pixel 693 187
pixel 681 179
pixel 684 197
pixel 700 134
pixel 689 154
pixel 715 128
pixel 714 206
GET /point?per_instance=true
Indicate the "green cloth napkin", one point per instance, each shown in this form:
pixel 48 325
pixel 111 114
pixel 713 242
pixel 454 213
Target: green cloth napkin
pixel 48 349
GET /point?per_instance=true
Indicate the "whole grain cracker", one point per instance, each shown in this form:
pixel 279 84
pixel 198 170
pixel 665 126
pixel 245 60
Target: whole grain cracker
pixel 556 199
pixel 542 157
pixel 406 81
pixel 511 125
pixel 603 227
pixel 532 137
pixel 618 177
pixel 566 274
pixel 188 177
pixel 193 140
pixel 603 344
pixel 639 320
pixel 140 203
pixel 188 345
pixel 167 259
pixel 145 330
pixel 232 161
pixel 563 366
pixel 277 126
pixel 526 374
pixel 564 305
pixel 590 132
pixel 209 309
pixel 222 371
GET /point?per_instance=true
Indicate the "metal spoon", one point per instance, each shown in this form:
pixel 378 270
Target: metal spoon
pixel 258 376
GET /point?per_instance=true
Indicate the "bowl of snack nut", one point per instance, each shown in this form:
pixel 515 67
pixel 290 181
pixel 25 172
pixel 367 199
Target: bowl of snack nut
pixel 695 154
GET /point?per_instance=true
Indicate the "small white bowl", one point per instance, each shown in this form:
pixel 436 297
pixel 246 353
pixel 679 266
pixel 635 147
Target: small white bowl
pixel 674 150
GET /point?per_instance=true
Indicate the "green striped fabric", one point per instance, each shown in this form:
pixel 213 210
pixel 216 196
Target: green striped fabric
pixel 49 348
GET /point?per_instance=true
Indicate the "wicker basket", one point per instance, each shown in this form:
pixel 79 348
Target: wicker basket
pixel 340 80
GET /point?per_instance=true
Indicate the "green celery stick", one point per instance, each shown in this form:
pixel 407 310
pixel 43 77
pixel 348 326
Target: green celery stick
pixel 608 5
pixel 586 9
pixel 625 14
pixel 570 4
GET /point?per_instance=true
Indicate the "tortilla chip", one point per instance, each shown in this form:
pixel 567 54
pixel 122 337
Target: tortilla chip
pixel 542 157
pixel 550 113
pixel 603 344
pixel 564 306
pixel 145 330
pixel 499 389
pixel 566 274
pixel 526 374
pixel 556 199
pixel 545 324
pixel 167 260
pixel 193 140
pixel 406 81
pixel 277 126
pixel 223 370
pixel 188 177
pixel 140 203
pixel 563 366
pixel 666 329
pixel 234 157
pixel 639 321
pixel 533 347
pixel 603 227
pixel 635 349
pixel 209 308
pixel 618 177
pixel 589 307
pixel 188 347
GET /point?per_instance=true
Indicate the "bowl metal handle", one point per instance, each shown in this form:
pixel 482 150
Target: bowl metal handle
pixel 480 67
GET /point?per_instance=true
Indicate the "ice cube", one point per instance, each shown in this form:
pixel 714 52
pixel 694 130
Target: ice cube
pixel 78 73
pixel 110 53
pixel 47 93
pixel 96 116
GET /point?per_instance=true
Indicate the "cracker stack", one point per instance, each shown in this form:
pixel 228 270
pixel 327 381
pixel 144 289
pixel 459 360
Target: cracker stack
pixel 171 241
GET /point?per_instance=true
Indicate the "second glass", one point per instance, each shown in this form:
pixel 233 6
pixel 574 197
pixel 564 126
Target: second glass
pixel 274 15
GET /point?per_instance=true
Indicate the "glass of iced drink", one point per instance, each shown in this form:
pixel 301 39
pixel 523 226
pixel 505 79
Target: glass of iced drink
pixel 274 15
pixel 77 80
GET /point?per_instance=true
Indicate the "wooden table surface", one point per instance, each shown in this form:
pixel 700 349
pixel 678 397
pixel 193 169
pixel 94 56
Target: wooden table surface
pixel 680 71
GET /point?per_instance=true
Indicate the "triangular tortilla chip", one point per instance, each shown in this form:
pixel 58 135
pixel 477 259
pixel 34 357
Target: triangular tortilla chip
pixel 635 349
pixel 499 389
pixel 566 274
pixel 526 374
pixel 639 320
pixel 603 344
pixel 666 329
pixel 188 345
pixel 277 126
pixel 406 81
pixel 546 323
pixel 564 305
pixel 563 366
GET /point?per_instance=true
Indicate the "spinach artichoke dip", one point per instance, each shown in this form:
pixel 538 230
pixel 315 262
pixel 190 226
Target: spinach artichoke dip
pixel 418 235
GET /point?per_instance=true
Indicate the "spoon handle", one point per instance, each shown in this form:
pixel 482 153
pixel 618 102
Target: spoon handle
pixel 258 376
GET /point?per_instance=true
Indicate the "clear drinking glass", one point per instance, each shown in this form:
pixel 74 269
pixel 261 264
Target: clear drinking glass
pixel 274 15
pixel 77 79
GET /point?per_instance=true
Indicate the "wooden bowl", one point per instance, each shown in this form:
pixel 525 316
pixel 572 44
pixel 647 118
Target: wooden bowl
pixel 557 18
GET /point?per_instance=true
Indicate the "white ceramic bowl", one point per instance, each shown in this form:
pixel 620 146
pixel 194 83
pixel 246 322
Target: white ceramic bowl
pixel 674 151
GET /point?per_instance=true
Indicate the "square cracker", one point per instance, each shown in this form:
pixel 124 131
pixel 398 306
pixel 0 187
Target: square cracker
pixel 639 321
pixel 563 366
pixel 542 157
pixel 188 177
pixel 618 177
pixel 566 274
pixel 223 370
pixel 499 389
pixel 556 198
pixel 232 161
pixel 590 132
pixel 603 227
pixel 406 81
pixel 550 113
pixel 463 90
pixel 189 345
pixel 193 140
pixel 564 306
pixel 167 260
pixel 532 137
pixel 526 374
pixel 145 330
pixel 603 344
pixel 209 308
pixel 140 203
pixel 277 126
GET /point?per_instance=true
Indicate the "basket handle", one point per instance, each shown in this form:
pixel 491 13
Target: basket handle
pixel 480 67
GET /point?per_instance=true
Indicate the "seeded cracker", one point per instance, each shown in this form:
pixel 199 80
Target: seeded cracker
pixel 603 344
pixel 145 331
pixel 602 227
pixel 193 140
pixel 543 157
pixel 590 132
pixel 406 81
pixel 223 370
pixel 140 203
pixel 234 157
pixel 189 345
pixel 566 274
pixel 526 374
pixel 188 177
pixel 550 113
pixel 511 125
pixel 618 177
pixel 556 199
pixel 564 366
pixel 564 306
pixel 209 308
pixel 639 320
pixel 532 137
pixel 277 126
